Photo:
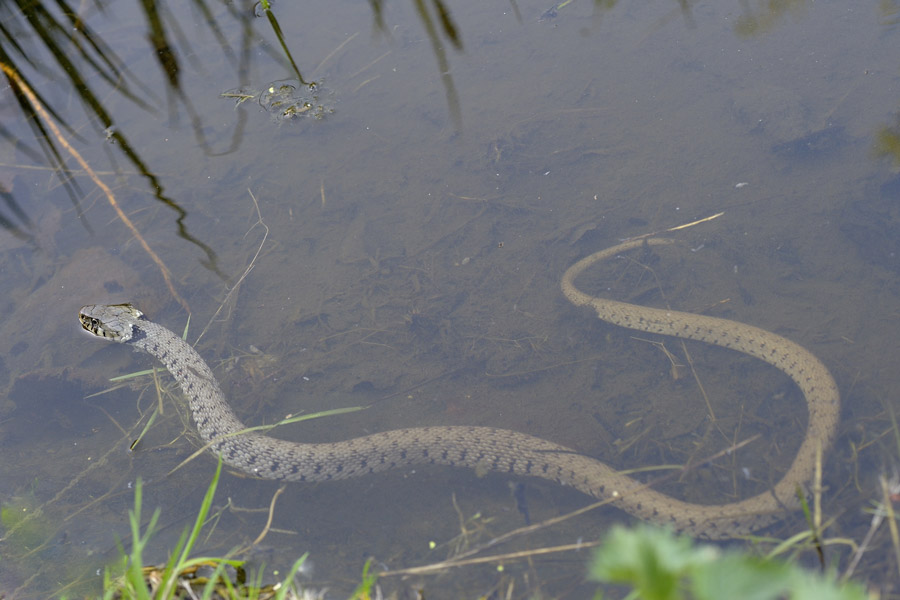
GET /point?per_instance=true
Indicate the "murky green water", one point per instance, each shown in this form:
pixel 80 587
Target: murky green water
pixel 415 213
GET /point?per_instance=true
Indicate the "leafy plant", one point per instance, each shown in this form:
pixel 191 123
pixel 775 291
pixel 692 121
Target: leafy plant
pixel 660 565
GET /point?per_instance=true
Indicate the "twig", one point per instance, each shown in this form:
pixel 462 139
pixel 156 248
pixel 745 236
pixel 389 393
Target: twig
pixel 453 563
pixel 259 221
pixel 265 531
pixel 891 519
pixel 677 227
pixel 554 520
pixel 333 52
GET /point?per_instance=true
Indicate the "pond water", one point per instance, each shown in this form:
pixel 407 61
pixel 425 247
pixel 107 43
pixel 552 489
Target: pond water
pixel 373 204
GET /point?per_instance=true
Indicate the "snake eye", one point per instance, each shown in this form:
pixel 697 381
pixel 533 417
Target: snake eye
pixel 93 325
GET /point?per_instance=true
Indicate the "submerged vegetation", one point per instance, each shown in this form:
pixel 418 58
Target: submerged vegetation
pixel 651 562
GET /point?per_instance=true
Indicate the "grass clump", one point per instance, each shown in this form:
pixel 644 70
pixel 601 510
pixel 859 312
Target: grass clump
pixel 184 576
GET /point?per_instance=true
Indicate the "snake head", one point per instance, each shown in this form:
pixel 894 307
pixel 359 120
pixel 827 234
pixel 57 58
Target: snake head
pixel 111 321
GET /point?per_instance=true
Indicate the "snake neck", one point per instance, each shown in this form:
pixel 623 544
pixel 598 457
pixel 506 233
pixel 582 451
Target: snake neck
pixel 212 414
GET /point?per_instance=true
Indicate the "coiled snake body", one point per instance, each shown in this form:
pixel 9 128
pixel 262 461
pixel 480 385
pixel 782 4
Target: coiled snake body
pixel 499 449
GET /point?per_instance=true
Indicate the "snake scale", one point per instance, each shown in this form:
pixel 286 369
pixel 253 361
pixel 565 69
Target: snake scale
pixel 499 449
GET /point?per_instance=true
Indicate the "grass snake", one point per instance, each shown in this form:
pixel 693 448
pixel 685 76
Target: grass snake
pixel 500 449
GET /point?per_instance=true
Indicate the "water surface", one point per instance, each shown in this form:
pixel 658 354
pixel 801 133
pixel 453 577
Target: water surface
pixel 413 215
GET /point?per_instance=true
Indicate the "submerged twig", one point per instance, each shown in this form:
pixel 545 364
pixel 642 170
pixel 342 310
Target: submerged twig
pixel 259 221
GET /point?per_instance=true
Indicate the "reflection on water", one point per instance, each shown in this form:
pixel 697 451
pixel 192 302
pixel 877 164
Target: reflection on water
pixel 417 235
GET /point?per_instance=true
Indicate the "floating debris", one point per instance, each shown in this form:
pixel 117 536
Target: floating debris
pixel 288 99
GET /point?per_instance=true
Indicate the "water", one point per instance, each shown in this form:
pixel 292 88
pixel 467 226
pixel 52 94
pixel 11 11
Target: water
pixel 410 247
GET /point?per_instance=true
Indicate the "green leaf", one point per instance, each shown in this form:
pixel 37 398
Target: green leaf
pixel 654 561
pixel 812 586
pixel 741 576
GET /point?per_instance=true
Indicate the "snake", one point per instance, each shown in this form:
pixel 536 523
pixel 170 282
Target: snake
pixel 501 450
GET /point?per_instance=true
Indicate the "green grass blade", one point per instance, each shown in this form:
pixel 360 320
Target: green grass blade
pixel 201 515
pixel 132 375
pixel 287 584
pixel 144 431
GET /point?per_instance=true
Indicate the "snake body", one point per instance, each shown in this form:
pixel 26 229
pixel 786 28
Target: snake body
pixel 499 449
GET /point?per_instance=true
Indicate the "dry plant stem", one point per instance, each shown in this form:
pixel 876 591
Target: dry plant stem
pixel 877 520
pixel 690 361
pixel 39 109
pixel 455 563
pixel 159 392
pixel 333 52
pixel 713 420
pixel 816 524
pixel 234 288
pixel 554 520
pixel 678 227
pixel 368 66
pixel 265 531
pixel 463 530
pixel 366 82
pixel 817 492
pixel 892 521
